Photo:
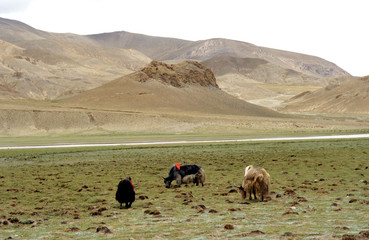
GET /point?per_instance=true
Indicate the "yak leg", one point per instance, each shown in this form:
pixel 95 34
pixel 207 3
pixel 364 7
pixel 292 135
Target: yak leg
pixel 179 180
pixel 253 190
pixel 120 206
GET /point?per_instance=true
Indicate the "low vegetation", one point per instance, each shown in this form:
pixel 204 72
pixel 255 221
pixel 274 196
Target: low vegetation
pixel 319 190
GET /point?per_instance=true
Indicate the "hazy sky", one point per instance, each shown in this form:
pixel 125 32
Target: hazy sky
pixel 336 30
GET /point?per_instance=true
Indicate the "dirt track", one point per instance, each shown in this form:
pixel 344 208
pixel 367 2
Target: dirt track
pixel 353 136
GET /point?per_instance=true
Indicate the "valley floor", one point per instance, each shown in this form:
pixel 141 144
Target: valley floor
pixel 319 191
pixel 40 118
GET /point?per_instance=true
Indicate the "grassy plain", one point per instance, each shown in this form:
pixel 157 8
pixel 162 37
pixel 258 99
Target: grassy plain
pixel 319 191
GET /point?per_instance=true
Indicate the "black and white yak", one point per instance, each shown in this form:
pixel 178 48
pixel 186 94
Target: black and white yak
pixel 178 171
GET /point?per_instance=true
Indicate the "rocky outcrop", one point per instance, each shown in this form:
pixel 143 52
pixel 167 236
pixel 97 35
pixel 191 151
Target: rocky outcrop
pixel 180 75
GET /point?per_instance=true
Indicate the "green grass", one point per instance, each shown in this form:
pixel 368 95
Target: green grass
pixel 63 191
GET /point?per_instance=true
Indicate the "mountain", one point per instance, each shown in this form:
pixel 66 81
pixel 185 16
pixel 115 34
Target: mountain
pixel 263 76
pixel 41 65
pixel 259 81
pixel 154 47
pixel 167 88
pixel 165 49
pixel 259 70
pixel 36 64
pixel 349 96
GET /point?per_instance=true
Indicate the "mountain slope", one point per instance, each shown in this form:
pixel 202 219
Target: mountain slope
pixel 160 88
pixel 350 96
pixel 164 49
pixel 48 66
pixel 153 47
pixel 259 70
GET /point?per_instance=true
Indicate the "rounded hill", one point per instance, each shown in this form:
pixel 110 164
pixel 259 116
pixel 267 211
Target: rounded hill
pixel 162 88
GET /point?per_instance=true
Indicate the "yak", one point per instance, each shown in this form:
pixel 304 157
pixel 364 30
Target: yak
pixel 197 178
pixel 256 181
pixel 261 184
pixel 178 171
pixel 126 192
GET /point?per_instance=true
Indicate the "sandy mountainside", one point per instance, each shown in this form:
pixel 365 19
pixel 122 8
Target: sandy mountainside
pixel 260 70
pixel 350 96
pixel 171 88
pixel 40 65
pixel 164 49
pixel 260 81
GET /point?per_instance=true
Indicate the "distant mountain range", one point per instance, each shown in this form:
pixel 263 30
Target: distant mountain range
pixel 35 64
pixel 43 65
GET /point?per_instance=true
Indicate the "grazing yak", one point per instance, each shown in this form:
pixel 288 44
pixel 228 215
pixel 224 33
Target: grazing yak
pixel 256 181
pixel 178 171
pixel 197 178
pixel 126 192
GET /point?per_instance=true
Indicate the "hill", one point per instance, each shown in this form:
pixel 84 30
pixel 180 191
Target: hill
pixel 167 88
pixel 350 96
pixel 42 65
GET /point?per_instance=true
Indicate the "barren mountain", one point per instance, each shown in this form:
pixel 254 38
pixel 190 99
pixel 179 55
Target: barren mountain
pixel 350 96
pixel 36 64
pixel 259 81
pixel 165 49
pixel 260 70
pixel 40 65
pixel 170 88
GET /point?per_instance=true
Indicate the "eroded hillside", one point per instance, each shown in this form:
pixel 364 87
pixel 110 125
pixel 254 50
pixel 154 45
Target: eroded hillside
pixel 350 96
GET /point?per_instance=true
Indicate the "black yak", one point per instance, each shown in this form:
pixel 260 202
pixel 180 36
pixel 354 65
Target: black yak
pixel 178 171
pixel 126 192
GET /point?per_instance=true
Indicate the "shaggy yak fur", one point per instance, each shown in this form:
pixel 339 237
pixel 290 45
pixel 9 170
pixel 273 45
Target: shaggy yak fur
pixel 126 192
pixel 257 182
pixel 197 178
pixel 178 174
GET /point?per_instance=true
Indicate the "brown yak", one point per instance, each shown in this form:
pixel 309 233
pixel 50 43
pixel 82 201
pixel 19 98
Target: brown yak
pixel 256 181
pixel 197 178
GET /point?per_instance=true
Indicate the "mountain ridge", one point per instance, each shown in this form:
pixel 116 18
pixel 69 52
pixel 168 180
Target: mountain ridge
pixel 177 49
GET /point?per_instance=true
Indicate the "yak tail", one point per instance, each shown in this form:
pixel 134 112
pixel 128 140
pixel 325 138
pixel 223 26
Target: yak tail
pixel 203 173
pixel 260 176
pixel 267 180
pixel 265 173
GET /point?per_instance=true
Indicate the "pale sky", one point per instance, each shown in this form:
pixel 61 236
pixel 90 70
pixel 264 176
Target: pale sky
pixel 336 30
